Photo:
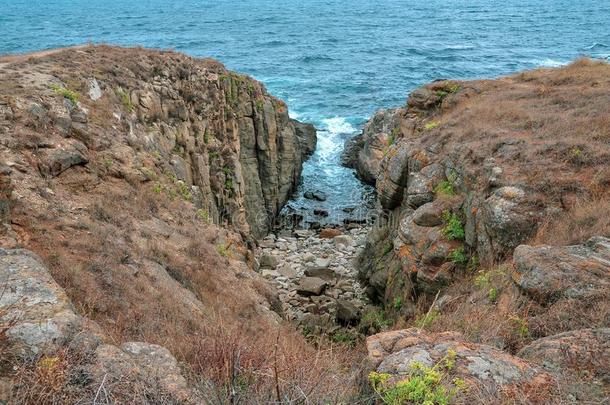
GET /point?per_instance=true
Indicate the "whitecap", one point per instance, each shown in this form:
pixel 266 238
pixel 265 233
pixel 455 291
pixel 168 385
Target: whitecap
pixel 338 125
pixel 547 62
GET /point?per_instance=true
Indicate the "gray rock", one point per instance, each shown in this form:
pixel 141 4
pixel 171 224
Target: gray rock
pixel 311 286
pixel 428 215
pixel 321 272
pixel 95 92
pixel 55 161
pixel 347 313
pixel 268 261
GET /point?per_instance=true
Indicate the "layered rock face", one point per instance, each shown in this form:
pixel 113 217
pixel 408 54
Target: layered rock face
pixel 476 168
pixel 232 145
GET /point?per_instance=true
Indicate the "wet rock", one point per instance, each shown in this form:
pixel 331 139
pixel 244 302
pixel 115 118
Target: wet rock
pixel 315 195
pixel 306 133
pixel 548 273
pixel 311 286
pixel 320 213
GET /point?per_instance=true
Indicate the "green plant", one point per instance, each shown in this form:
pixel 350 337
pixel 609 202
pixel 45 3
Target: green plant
pixel 259 105
pixel 454 88
pixel 492 294
pixel 343 336
pixel 387 248
pixel 229 184
pixel 68 94
pixel 393 135
pixel 458 256
pixel 125 99
pixel 397 303
pixel 157 188
pixel 203 215
pixel 431 125
pixel 423 385
pixel 427 319
pixel 184 191
pixel 223 250
pixel 482 280
pixel 373 321
pixel 108 163
pixel 453 229
pixel 473 263
pixel 520 326
pixel 444 188
pixel 206 137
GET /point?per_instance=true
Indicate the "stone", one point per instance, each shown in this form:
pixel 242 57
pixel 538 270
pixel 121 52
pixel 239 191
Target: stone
pixel 306 133
pixel 428 215
pixel 268 261
pixel 315 195
pixel 322 262
pixel 311 286
pixel 55 161
pixel 347 313
pixel 145 365
pixel 42 313
pixel 343 241
pixel 95 92
pixel 320 213
pixel 288 271
pixel 329 233
pixel 548 273
pixel 321 272
pixel 583 349
pixel 489 368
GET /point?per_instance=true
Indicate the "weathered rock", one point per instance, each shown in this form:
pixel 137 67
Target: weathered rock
pixel 428 215
pixel 38 312
pixel 343 241
pixel 311 286
pixel 478 365
pixel 347 313
pixel 268 262
pixel 323 273
pixel 329 233
pixel 307 137
pixel 548 273
pixel 585 349
pixel 144 365
pixel 55 161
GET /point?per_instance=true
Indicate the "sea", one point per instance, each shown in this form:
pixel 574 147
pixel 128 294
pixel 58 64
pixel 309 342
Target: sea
pixel 335 62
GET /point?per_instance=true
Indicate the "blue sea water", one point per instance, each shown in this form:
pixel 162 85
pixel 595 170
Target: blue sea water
pixel 334 61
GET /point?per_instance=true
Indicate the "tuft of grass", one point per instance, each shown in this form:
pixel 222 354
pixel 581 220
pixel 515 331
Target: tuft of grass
pixel 453 229
pixel 344 337
pixel 68 94
pixel 431 125
pixel 203 215
pixel 458 256
pixel 125 99
pixel 373 321
pixel 427 319
pixel 223 250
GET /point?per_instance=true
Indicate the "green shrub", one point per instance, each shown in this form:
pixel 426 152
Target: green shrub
pixel 373 321
pixel 426 320
pixel 397 303
pixel 344 336
pixel 431 125
pixel 70 95
pixel 453 229
pixel 423 385
pixel 203 215
pixel 125 99
pixel 444 188
pixel 492 294
pixel 520 325
pixel 223 250
pixel 458 256
pixel 184 191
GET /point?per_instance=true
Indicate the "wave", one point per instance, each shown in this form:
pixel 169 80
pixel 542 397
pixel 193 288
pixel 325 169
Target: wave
pixel 338 125
pixel 314 58
pixel 547 62
pixel 596 46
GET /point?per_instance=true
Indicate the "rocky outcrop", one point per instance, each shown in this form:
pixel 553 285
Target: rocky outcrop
pixel 365 151
pixel 229 142
pixel 38 320
pixel 483 369
pixel 584 349
pixel 460 188
pixel 549 273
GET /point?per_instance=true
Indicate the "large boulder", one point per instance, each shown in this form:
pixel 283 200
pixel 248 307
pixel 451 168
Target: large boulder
pixel 584 349
pixel 36 311
pixel 482 368
pixel 548 273
pixel 311 286
pixel 306 133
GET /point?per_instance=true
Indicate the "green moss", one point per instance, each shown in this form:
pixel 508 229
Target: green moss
pixel 68 94
pixel 453 229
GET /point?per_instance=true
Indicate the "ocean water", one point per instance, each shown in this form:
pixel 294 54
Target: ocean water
pixel 335 62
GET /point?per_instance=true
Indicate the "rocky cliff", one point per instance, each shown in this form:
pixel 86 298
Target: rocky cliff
pixel 472 178
pixel 231 145
pixel 132 185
